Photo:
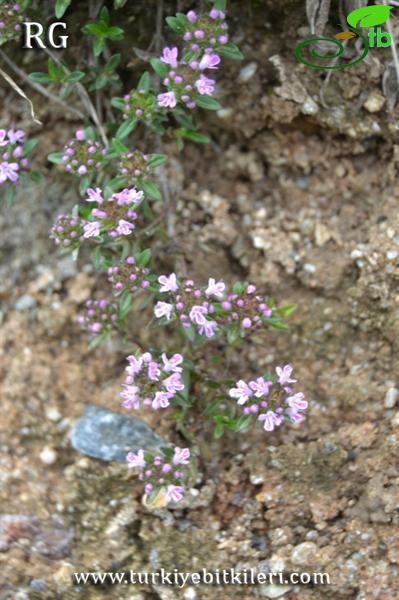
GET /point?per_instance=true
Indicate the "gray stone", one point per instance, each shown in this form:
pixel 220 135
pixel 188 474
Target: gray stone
pixel 108 435
pixel 25 303
pixel 274 591
pixel 391 397
pixel 38 585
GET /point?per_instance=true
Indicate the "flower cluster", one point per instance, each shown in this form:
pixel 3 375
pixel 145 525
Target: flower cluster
pixel 186 80
pixel 134 166
pixel 272 401
pixel 11 155
pixel 162 472
pixel 209 308
pixel 114 216
pixel 10 21
pixel 150 382
pixel 67 231
pixel 139 105
pixel 99 316
pixel 82 156
pixel 128 275
pixel 206 30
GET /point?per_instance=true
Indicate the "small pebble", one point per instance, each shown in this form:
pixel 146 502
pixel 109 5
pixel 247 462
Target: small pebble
pixel 38 585
pixel 25 302
pixel 48 455
pixel 53 414
pixel 309 268
pixel 248 72
pixel 392 254
pixel 391 397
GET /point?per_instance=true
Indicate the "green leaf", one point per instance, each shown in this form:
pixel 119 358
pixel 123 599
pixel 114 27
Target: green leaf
pixel 9 195
pixel 118 147
pixel 93 29
pixel 119 3
pixel 37 177
pixel 90 133
pixel 98 46
pixel 150 189
pixel 369 16
pixel 125 129
pixel 55 157
pixel 118 103
pixel 84 184
pixel 159 67
pixel 125 305
pixel 113 62
pixel 29 145
pixel 194 136
pixel 276 323
pixel 104 14
pixel 144 82
pixel 220 5
pixel 239 287
pixel 61 7
pixel 143 258
pixel 100 82
pixel 175 25
pixel 231 51
pixel 285 311
pixel 219 431
pixel 115 33
pixel 242 423
pixel 156 160
pixel 76 76
pixel 208 103
pixel 52 69
pixel 40 77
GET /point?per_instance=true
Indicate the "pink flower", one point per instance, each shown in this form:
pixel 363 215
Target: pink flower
pixel 91 229
pixel 209 61
pixel 94 195
pixel 127 196
pixel 295 416
pixel 134 365
pixel 205 86
pixel 8 171
pixel 163 309
pixel 3 137
pixel 215 289
pixel 124 227
pixel 153 371
pixel 169 56
pixel 297 402
pixel 284 375
pixel 167 100
pixel 174 493
pixel 192 16
pixel 242 392
pixel 16 136
pixel 161 400
pixel 181 456
pixel 136 460
pixel 130 396
pixel 197 314
pixel 260 387
pixel 269 420
pixel 173 383
pixel 208 328
pixel 168 283
pixel 171 364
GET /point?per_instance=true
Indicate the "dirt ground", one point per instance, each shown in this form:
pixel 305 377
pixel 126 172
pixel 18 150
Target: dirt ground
pixel 298 194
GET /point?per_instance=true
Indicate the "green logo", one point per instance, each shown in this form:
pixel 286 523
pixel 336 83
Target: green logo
pixel 368 16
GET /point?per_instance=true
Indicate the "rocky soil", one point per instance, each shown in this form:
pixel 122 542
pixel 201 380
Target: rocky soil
pixel 297 193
